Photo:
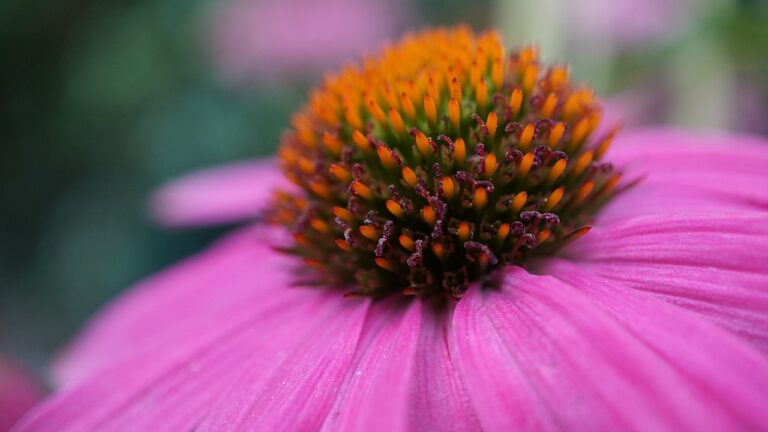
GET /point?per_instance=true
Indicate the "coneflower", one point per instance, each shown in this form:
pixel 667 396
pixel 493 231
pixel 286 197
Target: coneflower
pixel 457 246
pixel 439 161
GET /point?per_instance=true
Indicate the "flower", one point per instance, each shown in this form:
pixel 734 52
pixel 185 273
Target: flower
pixel 656 319
pixel 18 393
pixel 634 23
pixel 258 39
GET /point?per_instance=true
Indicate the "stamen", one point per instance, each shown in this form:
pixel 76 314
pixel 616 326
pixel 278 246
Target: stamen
pixel 579 132
pixel 369 232
pixel 410 177
pixel 497 73
pixel 515 102
pixel 529 77
pixel 464 231
pixel 526 136
pixel 319 189
pixel 480 198
pixel 408 108
pixel 556 134
pixel 386 264
pixel 448 187
pixel 430 109
pixel 603 146
pixel 396 121
pixel 394 208
pixel 557 170
pixel 583 191
pixel 423 144
pixel 456 89
pixel 387 156
pixel 453 113
pixel 320 226
pixel 503 231
pixel 525 165
pixel 360 140
pixel 518 202
pixel 332 143
pixel 362 190
pixel 429 215
pixel 553 199
pixel 459 152
pixel 377 112
pixel 342 244
pixel 490 165
pixel 549 105
pixel 583 161
pixel 406 242
pixel 491 123
pixel 438 249
pixel 481 94
pixel 353 118
pixel 340 173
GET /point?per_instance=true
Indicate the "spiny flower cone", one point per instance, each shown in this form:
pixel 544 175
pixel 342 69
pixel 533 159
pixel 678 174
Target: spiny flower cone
pixel 439 160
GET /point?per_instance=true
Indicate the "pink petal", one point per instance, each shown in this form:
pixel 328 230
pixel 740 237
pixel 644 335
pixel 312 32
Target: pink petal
pixel 225 194
pixel 541 354
pixel 176 392
pixel 403 376
pixel 274 40
pixel 685 171
pixel 173 373
pixel 439 399
pixel 375 393
pixel 182 304
pixel 713 263
pixel 291 383
pixel 397 376
pixel 18 393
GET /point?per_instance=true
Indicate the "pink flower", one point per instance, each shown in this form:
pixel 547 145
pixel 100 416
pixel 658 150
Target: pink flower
pixel 18 393
pixel 272 39
pixel 657 319
pixel 629 22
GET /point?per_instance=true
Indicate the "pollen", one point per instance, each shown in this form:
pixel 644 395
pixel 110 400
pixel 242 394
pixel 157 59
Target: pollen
pixel 437 161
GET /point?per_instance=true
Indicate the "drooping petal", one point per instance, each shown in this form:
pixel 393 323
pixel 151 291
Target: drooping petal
pixel 291 386
pixel 541 354
pixel 182 304
pixel 687 171
pixel 225 194
pixel 176 392
pixel 172 384
pixel 713 263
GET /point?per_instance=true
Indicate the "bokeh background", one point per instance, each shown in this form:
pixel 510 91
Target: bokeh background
pixel 102 101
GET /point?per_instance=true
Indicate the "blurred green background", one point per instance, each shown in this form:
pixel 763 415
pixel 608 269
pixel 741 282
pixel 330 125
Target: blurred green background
pixel 103 101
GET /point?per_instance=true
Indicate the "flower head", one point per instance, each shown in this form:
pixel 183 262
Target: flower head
pixel 655 320
pixel 439 160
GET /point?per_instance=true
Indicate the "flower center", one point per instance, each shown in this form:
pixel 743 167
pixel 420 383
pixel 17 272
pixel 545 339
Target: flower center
pixel 439 160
